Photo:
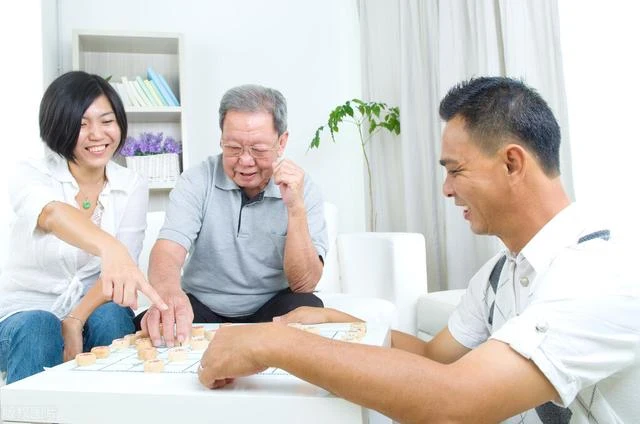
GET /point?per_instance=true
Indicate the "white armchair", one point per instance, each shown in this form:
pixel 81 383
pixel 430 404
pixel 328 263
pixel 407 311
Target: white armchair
pixel 373 276
pixel 434 310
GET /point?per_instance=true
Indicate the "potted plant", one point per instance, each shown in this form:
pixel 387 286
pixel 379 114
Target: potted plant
pixel 154 156
pixel 369 118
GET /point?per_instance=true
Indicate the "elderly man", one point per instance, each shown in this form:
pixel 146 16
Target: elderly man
pixel 549 329
pixel 252 224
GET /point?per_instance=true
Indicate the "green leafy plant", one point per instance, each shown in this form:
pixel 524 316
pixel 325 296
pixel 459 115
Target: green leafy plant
pixel 369 118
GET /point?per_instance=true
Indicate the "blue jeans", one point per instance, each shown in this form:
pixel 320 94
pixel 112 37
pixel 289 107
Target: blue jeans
pixel 32 340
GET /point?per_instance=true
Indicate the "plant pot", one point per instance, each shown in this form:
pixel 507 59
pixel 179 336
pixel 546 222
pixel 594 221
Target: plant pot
pixel 161 170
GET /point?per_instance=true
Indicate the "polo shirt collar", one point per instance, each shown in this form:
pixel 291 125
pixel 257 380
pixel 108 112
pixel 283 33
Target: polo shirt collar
pixel 223 182
pixel 561 231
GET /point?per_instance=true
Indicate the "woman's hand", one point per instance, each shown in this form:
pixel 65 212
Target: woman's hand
pixel 121 278
pixel 72 337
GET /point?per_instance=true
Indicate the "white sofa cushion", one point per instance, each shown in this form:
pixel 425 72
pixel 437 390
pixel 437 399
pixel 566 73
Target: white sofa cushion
pixel 434 310
pixel 369 309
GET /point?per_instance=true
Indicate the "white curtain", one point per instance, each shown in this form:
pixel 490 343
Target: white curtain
pixel 413 51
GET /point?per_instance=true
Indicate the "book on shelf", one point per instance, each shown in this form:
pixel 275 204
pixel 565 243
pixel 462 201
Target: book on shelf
pixel 145 90
pixel 139 92
pixel 163 87
pixel 133 93
pixel 143 97
pixel 122 92
pixel 155 93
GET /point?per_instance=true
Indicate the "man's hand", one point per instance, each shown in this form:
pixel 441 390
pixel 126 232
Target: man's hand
pixel 313 315
pixel 72 337
pixel 233 353
pixel 290 178
pixel 121 278
pixel 178 313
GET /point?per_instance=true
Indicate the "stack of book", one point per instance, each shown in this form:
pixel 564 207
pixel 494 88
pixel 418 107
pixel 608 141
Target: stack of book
pixel 153 91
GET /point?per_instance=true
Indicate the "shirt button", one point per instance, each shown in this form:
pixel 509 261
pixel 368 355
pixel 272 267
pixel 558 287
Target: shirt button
pixel 524 282
pixel 542 327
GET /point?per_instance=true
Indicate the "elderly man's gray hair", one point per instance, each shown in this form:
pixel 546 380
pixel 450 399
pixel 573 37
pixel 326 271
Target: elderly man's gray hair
pixel 256 98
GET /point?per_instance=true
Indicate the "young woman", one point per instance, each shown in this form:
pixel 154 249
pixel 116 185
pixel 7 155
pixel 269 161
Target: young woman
pixel 71 278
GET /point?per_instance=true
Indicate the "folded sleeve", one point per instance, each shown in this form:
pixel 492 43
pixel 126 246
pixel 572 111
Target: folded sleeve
pixel 584 324
pixel 468 322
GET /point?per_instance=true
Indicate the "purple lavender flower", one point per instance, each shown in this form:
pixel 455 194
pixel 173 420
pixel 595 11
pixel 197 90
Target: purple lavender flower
pixel 150 144
pixel 130 146
pixel 153 143
pixel 170 145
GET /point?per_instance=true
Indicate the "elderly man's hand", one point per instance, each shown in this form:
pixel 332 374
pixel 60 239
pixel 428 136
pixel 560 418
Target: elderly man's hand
pixel 233 352
pixel 179 314
pixel 290 178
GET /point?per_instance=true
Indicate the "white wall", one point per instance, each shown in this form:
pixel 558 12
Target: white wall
pixel 309 50
pixel 602 63
pixel 22 83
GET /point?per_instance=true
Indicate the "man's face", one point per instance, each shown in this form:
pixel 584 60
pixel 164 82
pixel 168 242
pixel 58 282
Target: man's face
pixel 253 130
pixel 475 180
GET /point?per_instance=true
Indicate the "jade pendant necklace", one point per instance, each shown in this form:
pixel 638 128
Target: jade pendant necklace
pixel 86 203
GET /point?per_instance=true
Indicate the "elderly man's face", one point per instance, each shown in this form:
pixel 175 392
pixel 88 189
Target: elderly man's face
pixel 477 181
pixel 252 136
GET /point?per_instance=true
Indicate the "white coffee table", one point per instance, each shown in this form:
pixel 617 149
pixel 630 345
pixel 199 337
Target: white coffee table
pixel 67 395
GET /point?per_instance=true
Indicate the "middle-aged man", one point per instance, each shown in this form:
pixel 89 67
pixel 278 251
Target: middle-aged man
pixel 549 329
pixel 251 222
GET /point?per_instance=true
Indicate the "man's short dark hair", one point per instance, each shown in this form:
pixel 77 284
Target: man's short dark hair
pixel 65 102
pixel 496 107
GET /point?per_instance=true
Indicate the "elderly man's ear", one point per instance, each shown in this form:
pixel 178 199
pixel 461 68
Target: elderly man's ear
pixel 282 141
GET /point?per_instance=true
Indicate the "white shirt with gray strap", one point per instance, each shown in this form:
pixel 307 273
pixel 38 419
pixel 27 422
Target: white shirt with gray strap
pixel 570 303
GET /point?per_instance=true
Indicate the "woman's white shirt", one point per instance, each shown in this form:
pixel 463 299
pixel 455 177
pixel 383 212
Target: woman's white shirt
pixel 42 271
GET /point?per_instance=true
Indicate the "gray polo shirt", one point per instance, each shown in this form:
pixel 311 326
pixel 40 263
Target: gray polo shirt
pixel 236 248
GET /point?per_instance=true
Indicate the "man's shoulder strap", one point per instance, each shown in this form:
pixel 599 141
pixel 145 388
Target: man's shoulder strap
pixel 549 412
pixel 602 234
pixel 494 277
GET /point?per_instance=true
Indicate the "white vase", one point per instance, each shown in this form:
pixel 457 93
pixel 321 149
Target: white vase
pixel 162 170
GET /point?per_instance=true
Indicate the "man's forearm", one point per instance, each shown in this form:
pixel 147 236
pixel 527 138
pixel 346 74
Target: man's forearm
pixel 302 265
pixel 388 380
pixel 165 265
pixel 407 342
pixel 408 387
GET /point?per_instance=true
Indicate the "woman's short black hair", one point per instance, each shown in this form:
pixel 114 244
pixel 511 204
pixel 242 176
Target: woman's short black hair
pixel 65 102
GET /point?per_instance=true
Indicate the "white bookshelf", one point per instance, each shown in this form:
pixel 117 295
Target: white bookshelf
pixel 129 54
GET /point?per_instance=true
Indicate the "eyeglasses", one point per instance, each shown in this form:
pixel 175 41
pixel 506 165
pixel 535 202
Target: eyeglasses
pixel 257 151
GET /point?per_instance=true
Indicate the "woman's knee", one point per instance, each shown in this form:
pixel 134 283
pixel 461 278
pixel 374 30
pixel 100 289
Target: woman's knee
pixel 38 325
pixel 111 318
pixel 38 331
